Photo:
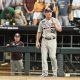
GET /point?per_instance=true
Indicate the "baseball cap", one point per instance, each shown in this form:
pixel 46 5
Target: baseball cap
pixel 47 10
pixel 17 35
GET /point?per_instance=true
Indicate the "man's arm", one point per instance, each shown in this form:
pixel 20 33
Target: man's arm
pixel 57 12
pixel 25 7
pixel 57 25
pixel 24 19
pixel 38 36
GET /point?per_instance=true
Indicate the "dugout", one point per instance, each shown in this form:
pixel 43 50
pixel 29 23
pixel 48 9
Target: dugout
pixel 67 53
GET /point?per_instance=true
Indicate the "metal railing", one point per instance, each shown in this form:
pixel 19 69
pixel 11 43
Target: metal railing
pixel 27 51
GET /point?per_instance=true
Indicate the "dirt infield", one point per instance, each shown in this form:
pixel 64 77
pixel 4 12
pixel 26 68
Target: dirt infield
pixel 36 78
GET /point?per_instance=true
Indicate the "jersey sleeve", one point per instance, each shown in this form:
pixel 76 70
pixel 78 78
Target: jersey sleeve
pixel 40 29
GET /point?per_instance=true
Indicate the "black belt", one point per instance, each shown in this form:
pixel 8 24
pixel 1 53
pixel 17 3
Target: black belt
pixel 48 38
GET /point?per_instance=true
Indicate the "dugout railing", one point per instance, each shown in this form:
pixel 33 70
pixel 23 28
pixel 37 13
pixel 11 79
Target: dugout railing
pixel 27 51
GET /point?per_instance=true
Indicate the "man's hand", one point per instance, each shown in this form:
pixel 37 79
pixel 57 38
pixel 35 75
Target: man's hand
pixel 57 25
pixel 53 23
pixel 28 11
pixel 37 45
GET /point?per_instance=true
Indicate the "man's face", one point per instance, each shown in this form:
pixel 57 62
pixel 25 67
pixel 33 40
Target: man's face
pixel 48 14
pixel 17 14
pixel 7 15
pixel 17 38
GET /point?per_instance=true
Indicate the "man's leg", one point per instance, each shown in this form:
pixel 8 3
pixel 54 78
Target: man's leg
pixel 52 54
pixel 13 67
pixel 19 64
pixel 44 51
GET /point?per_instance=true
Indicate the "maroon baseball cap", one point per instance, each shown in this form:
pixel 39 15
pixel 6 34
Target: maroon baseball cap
pixel 47 10
pixel 17 35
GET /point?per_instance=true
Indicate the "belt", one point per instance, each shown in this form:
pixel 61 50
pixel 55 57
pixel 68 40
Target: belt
pixel 48 38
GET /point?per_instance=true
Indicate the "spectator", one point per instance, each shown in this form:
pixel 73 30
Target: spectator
pixel 20 18
pixel 38 11
pixel 54 8
pixel 6 3
pixel 16 57
pixel 76 11
pixel 29 6
pixel 63 11
pixel 7 16
pixel 18 4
